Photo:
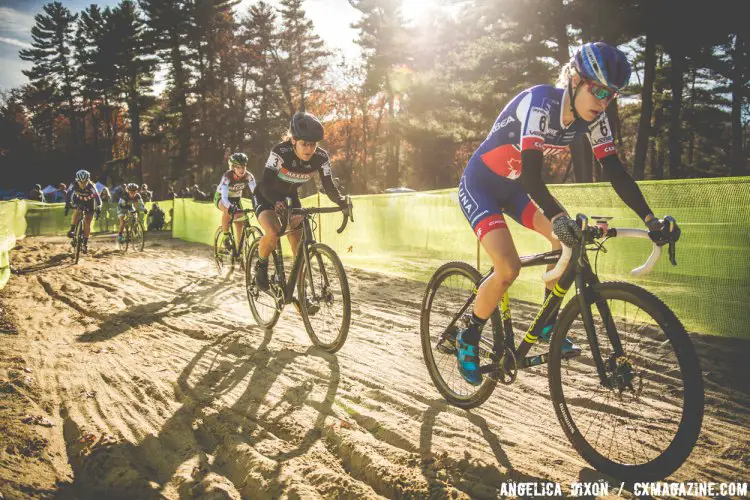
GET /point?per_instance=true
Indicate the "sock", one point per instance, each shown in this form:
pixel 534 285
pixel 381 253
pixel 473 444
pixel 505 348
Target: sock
pixel 262 261
pixel 475 329
pixel 72 227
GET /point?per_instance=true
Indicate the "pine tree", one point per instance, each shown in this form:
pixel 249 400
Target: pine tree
pixel 52 61
pixel 304 64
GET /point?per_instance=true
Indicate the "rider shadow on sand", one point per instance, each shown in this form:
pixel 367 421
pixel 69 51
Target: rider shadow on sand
pixel 61 260
pixel 208 434
pixel 153 312
pixel 489 478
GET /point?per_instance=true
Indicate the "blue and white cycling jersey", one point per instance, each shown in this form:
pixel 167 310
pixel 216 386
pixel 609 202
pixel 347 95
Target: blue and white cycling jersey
pixel 531 121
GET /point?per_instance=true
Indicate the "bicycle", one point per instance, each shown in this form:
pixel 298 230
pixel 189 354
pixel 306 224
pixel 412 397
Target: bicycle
pixel 134 232
pixel 319 277
pixel 77 241
pixel 224 258
pixel 629 333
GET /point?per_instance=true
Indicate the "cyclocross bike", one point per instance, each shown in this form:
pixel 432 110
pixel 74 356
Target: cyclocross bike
pixel 631 403
pixel 134 233
pixel 77 242
pixel 317 274
pixel 224 258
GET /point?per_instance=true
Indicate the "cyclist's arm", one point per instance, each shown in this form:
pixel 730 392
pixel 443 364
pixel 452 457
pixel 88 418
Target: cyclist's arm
pixel 141 205
pixel 327 180
pixel 97 198
pixel 224 191
pixel 270 173
pixel 532 162
pixel 69 194
pixel 251 183
pixel 602 143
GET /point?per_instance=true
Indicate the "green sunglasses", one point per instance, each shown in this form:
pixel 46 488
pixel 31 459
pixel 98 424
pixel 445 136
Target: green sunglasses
pixel 600 92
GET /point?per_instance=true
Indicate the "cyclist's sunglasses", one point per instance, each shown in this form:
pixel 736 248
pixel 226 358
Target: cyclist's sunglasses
pixel 601 92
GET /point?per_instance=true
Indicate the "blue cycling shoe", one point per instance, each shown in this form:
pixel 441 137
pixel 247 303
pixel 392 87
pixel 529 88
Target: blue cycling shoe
pixel 468 360
pixel 569 349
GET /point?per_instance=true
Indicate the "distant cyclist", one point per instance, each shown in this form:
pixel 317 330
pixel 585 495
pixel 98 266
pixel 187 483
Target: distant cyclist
pixel 82 193
pixel 130 200
pixel 505 174
pixel 229 193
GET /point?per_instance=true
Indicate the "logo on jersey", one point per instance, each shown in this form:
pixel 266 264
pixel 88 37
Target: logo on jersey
pixel 296 177
pixel 514 168
pixel 465 200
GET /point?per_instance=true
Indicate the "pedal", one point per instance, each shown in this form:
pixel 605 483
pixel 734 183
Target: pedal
pixel 447 347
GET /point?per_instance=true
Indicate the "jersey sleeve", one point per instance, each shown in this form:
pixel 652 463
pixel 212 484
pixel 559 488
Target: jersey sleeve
pixel 326 178
pixel 600 135
pixel 534 120
pixel 223 189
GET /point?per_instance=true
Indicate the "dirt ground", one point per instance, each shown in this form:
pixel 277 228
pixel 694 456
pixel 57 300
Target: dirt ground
pixel 145 376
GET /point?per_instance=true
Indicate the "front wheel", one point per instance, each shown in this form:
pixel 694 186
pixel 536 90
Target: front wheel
pixel 324 299
pixel 222 257
pixel 78 241
pixel 265 305
pixel 448 291
pixel 137 236
pixel 640 418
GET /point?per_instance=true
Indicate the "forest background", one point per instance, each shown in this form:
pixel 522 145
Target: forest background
pixel 159 91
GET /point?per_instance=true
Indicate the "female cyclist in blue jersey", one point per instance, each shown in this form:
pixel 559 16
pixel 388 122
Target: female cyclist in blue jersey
pixel 504 176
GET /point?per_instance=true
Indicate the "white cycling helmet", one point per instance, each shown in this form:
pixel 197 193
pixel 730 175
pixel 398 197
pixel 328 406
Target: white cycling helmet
pixel 83 175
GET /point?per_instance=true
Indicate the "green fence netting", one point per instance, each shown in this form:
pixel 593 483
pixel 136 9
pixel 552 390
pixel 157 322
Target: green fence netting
pixel 50 218
pixel 12 227
pixel 411 234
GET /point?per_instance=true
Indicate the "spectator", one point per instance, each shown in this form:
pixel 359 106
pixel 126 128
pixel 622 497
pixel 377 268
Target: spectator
pixel 60 194
pixel 185 193
pixel 36 194
pixel 199 195
pixel 117 192
pixel 155 218
pixel 170 193
pixel 105 194
pixel 146 195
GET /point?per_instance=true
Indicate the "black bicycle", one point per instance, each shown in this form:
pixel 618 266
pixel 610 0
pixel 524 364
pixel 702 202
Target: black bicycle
pixel 317 274
pixel 225 256
pixel 77 242
pixel 631 403
pixel 134 233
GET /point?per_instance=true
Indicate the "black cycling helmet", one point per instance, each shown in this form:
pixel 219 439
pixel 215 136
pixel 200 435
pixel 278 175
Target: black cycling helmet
pixel 38 187
pixel 238 159
pixel 132 187
pixel 306 127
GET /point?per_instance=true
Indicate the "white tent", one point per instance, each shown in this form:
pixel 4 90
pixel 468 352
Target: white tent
pixel 49 189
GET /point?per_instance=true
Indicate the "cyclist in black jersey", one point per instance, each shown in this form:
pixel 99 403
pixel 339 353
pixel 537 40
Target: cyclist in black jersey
pixel 290 164
pixel 82 192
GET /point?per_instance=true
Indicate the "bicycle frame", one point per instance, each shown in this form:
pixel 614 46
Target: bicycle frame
pixel 245 225
pixel 579 272
pixel 303 252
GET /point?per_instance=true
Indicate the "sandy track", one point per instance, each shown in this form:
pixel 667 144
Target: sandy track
pixel 157 383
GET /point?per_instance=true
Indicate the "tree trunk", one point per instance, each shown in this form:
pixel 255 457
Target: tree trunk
pixel 737 158
pixel 676 82
pixel 392 170
pixel 647 109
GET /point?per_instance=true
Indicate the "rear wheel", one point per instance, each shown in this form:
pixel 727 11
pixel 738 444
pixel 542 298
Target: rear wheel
pixel 448 290
pixel 643 422
pixel 222 257
pixel 265 305
pixel 324 299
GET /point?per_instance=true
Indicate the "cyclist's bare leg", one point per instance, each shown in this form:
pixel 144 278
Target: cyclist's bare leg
pixel 87 225
pixel 502 251
pixel 239 222
pixel 271 226
pixel 122 224
pixel 543 226
pixel 225 217
pixel 74 220
pixel 296 235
